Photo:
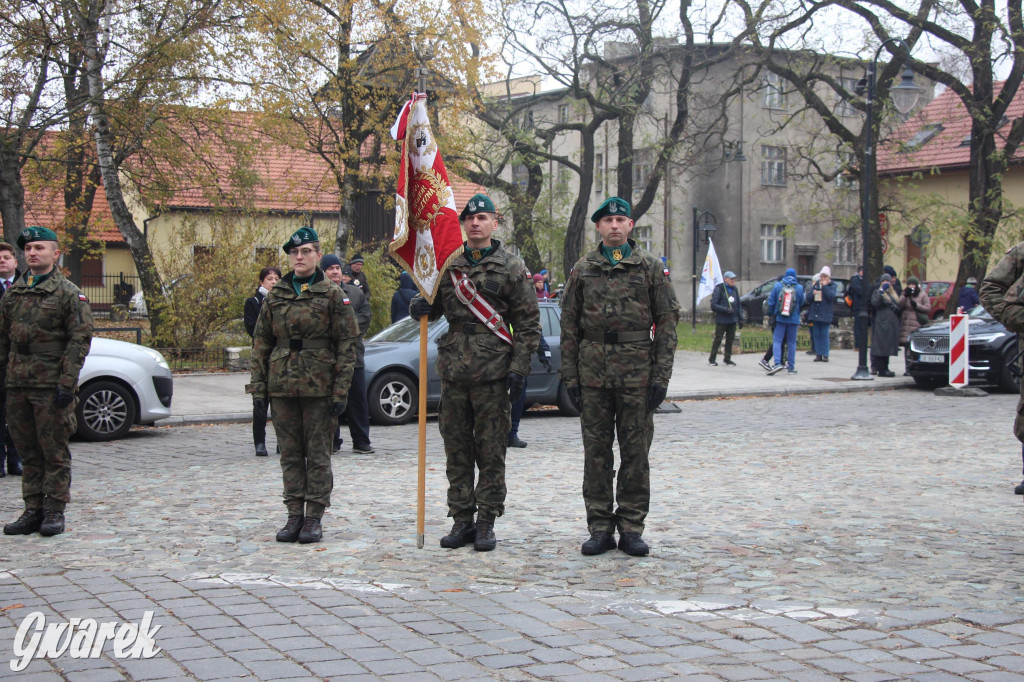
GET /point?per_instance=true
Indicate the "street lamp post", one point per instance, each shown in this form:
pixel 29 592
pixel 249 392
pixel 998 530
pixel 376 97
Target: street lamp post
pixel 904 97
pixel 703 221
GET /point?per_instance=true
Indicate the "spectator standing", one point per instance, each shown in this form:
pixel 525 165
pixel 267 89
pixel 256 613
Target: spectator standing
pixel 725 302
pixel 45 334
pixel 358 278
pixel 268 278
pixel 358 412
pixel 544 353
pixel 538 286
pixel 302 359
pixel 857 291
pixel 401 298
pixel 885 330
pixel 969 295
pixel 889 270
pixel 914 309
pixel 8 450
pixel 784 303
pixel 822 297
pixel 547 281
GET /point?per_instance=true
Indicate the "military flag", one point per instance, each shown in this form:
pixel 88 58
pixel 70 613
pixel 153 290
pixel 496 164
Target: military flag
pixel 711 275
pixel 427 231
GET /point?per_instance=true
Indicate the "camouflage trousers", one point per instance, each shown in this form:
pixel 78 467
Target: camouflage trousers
pixel 305 429
pixel 605 413
pixel 474 422
pixel 40 431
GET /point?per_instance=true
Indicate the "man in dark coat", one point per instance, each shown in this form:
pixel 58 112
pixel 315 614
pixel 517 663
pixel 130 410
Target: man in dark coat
pixel 725 301
pixel 8 451
pixel 969 298
pixel 400 299
pixel 885 331
pixel 857 290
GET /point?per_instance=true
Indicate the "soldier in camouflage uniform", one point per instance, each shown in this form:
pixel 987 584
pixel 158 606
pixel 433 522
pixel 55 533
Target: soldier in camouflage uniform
pixel 616 374
pixel 303 353
pixel 479 370
pixel 45 332
pixel 1002 295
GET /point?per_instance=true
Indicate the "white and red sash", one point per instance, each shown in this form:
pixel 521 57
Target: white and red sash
pixel 465 290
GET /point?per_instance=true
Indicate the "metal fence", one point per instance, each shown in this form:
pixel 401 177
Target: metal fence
pixel 106 290
pixel 193 359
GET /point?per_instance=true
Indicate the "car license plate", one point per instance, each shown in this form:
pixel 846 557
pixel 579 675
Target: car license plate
pixel 933 358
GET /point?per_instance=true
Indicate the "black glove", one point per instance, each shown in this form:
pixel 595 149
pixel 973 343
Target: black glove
pixel 913 303
pixel 515 384
pixel 739 325
pixel 419 307
pixel 656 395
pixel 259 405
pixel 546 364
pixel 62 398
pixel 575 395
pixel 338 407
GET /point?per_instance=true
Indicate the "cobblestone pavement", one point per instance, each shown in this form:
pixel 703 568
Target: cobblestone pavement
pixel 865 536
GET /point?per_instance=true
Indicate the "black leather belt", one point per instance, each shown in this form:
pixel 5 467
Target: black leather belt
pixel 301 344
pixel 30 348
pixel 618 337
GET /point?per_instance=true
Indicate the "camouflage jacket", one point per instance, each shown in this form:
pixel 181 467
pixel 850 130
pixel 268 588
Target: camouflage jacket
pixel 319 315
pixel 360 304
pixel 628 298
pixel 1002 290
pixel 470 357
pixel 45 333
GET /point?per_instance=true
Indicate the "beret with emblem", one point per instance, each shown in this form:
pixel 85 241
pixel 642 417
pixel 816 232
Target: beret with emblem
pixel 612 206
pixel 303 235
pixel 479 203
pixel 36 234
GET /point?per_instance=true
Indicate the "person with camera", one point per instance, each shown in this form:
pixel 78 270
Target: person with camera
pixel 885 330
pixel 822 296
pixel 914 309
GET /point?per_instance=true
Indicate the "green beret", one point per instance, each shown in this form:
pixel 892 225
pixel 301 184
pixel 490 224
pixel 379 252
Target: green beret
pixel 480 203
pixel 612 206
pixel 303 235
pixel 36 234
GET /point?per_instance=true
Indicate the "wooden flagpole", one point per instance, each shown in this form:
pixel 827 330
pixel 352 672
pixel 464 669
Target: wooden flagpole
pixel 421 479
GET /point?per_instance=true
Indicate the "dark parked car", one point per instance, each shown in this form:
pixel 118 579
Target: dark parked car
pixel 938 295
pixel 753 301
pixel 990 349
pixel 392 369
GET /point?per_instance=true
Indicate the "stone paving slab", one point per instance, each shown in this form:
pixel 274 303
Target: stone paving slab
pixel 868 536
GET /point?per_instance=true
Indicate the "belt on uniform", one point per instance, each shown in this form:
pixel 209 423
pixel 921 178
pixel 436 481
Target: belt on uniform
pixel 301 344
pixel 618 337
pixel 30 348
pixel 474 328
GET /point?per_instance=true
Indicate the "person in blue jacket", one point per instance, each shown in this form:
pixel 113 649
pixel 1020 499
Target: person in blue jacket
pixel 969 295
pixel 822 296
pixel 784 305
pixel 400 299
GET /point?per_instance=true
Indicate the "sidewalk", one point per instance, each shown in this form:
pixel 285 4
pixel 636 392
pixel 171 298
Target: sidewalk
pixel 221 397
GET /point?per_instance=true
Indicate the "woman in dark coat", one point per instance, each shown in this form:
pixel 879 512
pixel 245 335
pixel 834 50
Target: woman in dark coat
pixel 885 330
pixel 268 278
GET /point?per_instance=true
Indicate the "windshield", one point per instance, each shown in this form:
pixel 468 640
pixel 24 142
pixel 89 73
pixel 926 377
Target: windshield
pixel 979 313
pixel 405 330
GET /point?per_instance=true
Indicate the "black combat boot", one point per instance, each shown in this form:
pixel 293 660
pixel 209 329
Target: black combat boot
pixel 291 530
pixel 485 540
pixel 261 450
pixel 600 542
pixel 633 545
pixel 53 523
pixel 462 532
pixel 311 531
pixel 27 523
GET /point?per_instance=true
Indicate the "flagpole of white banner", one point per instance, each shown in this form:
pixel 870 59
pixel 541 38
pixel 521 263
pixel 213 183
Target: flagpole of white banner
pixel 421 473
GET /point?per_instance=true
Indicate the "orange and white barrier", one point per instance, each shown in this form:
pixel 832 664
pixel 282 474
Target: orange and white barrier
pixel 958 350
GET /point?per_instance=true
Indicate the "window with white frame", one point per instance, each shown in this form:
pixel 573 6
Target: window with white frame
pixel 773 165
pixel 564 177
pixel 642 236
pixel 563 113
pixel 643 164
pixel 774 92
pixel 520 175
pixel 846 107
pixel 773 243
pixel 844 247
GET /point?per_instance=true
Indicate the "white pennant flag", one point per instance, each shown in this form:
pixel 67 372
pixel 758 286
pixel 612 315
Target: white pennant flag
pixel 711 275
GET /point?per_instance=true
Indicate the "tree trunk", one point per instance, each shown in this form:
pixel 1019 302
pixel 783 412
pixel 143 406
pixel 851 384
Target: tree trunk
pixel 346 212
pixel 12 198
pixel 624 172
pixel 574 233
pixel 149 277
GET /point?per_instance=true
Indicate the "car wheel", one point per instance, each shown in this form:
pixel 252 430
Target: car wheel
pixel 565 405
pixel 106 410
pixel 393 397
pixel 1008 380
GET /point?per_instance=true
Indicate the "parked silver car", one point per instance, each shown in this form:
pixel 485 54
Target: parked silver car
pixel 392 369
pixel 121 384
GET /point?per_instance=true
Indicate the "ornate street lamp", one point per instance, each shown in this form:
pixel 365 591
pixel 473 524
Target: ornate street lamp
pixel 904 96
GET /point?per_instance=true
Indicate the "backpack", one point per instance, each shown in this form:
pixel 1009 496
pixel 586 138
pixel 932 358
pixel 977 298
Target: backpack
pixel 786 305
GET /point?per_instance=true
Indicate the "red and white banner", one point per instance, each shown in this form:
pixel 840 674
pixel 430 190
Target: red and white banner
pixel 958 350
pixel 427 231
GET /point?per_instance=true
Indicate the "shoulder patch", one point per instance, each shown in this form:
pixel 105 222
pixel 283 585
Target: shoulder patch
pixel 83 297
pixel 346 301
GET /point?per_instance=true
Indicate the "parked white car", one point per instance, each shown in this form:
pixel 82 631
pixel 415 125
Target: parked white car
pixel 121 384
